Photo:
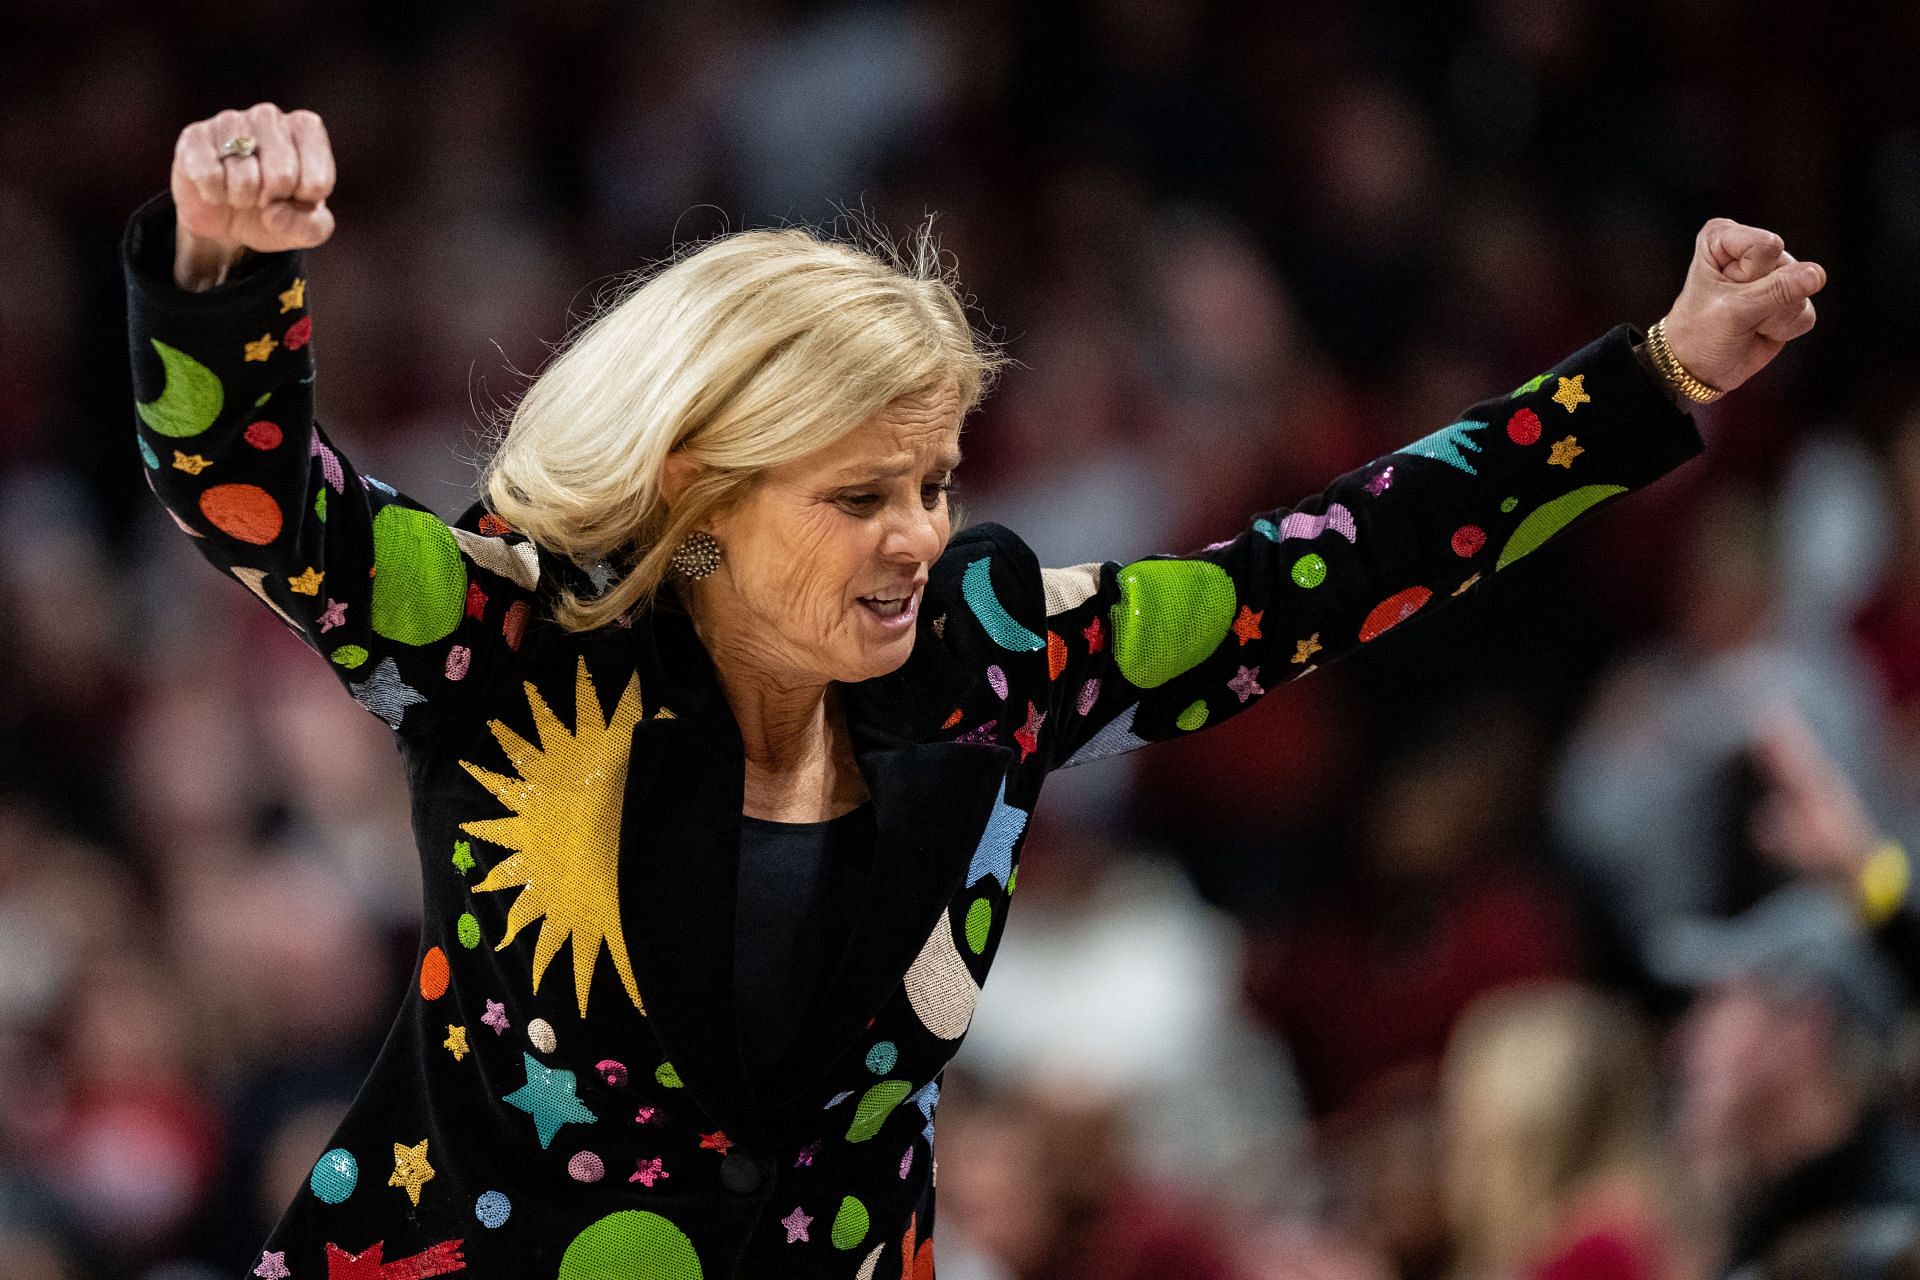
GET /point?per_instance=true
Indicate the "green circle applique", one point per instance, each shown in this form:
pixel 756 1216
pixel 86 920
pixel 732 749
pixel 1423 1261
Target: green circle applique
pixel 631 1245
pixel 469 930
pixel 979 922
pixel 1193 717
pixel 1171 614
pixel 1309 570
pixel 849 1225
pixel 419 581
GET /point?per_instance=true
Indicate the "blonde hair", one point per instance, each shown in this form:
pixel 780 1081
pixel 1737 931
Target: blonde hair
pixel 1546 1090
pixel 744 352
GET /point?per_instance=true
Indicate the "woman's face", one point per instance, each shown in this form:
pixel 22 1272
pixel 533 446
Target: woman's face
pixel 823 565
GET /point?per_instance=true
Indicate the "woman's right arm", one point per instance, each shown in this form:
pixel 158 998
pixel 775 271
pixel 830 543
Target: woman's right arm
pixel 410 612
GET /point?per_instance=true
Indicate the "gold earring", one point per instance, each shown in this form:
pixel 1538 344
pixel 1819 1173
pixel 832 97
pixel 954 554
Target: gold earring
pixel 697 556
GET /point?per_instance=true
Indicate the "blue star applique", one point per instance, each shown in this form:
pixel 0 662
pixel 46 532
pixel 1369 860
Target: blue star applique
pixel 385 694
pixel 1116 739
pixel 548 1097
pixel 993 856
pixel 1450 444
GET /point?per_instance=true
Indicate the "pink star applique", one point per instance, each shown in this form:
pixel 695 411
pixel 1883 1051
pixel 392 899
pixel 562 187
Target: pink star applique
pixel 334 615
pixel 273 1265
pixel 648 1172
pixel 1245 683
pixel 1028 735
pixel 796 1224
pixel 1095 634
pixel 495 1016
pixel 1381 482
pixel 644 1115
pixel 807 1153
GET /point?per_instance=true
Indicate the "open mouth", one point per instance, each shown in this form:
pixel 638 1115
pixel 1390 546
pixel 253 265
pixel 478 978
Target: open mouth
pixel 887 606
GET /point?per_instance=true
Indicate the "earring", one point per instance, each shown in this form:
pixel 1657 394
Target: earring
pixel 697 556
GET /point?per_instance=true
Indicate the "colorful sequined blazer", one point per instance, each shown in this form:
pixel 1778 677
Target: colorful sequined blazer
pixel 562 1094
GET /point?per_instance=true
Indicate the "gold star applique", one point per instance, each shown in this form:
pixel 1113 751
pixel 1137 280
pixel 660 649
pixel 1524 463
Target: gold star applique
pixel 296 297
pixel 1564 452
pixel 1307 648
pixel 308 583
pixel 1468 583
pixel 940 626
pixel 191 463
pixel 410 1169
pixel 1572 393
pixel 261 348
pixel 456 1042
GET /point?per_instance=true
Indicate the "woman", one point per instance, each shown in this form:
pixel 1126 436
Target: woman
pixel 1552 1169
pixel 707 692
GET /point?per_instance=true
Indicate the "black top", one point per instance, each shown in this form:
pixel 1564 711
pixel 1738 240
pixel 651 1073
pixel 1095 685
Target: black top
pixel 800 888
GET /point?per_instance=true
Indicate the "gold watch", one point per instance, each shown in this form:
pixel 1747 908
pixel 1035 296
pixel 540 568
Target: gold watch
pixel 1675 372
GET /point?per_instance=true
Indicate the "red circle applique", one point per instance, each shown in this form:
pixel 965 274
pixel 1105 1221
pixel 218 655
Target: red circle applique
pixel 1393 611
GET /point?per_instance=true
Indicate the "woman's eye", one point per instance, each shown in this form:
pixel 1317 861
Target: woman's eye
pixel 861 501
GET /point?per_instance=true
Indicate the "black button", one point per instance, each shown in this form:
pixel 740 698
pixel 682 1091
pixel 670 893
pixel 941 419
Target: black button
pixel 740 1173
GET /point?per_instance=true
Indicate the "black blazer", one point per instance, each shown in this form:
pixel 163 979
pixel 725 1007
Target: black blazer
pixel 562 1094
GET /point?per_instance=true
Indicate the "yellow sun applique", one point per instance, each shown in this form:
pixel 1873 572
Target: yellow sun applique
pixel 564 831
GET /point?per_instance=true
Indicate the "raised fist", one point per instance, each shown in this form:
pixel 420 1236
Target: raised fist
pixel 1744 299
pixel 273 199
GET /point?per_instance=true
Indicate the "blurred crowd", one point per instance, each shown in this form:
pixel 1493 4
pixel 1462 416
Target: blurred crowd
pixel 1563 936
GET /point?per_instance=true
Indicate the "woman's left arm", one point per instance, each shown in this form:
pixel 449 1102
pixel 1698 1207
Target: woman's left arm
pixel 1168 645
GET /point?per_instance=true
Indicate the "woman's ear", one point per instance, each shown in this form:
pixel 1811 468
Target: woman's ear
pixel 675 474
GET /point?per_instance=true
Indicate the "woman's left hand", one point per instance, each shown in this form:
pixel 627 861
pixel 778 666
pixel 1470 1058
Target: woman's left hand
pixel 1744 299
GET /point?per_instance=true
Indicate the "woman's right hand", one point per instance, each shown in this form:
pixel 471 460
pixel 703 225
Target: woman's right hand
pixel 272 200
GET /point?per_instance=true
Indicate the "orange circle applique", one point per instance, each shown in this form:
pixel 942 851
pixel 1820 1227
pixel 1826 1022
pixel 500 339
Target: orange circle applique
pixel 243 511
pixel 434 974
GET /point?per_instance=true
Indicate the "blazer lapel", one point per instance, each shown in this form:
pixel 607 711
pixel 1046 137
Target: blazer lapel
pixel 931 800
pixel 680 858
pixel 679 864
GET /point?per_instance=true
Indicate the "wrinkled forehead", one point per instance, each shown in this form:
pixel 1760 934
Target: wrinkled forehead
pixel 916 433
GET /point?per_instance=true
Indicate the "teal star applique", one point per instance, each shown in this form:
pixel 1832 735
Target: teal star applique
pixel 548 1097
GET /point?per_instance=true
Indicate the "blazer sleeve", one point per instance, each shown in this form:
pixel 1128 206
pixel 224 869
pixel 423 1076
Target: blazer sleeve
pixel 1167 645
pixel 411 613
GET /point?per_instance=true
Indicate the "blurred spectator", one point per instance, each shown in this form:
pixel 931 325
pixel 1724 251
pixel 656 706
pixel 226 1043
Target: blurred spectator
pixel 1652 795
pixel 1445 907
pixel 1114 983
pixel 1789 1069
pixel 1552 1161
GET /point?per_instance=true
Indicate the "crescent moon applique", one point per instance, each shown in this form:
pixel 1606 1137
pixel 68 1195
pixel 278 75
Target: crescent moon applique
pixel 189 402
